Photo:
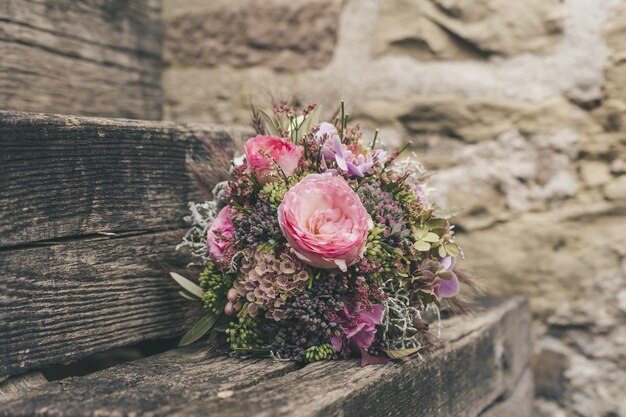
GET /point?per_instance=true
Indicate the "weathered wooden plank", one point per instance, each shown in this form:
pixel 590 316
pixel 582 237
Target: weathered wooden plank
pixel 65 301
pixel 65 176
pixel 518 404
pixel 93 57
pixel 144 387
pixel 482 358
pixel 479 360
pixel 17 385
pixel 67 289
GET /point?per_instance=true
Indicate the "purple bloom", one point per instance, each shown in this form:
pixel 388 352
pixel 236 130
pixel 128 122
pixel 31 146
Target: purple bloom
pixel 419 192
pixel 448 287
pixel 359 327
pixel 349 158
pixel 326 130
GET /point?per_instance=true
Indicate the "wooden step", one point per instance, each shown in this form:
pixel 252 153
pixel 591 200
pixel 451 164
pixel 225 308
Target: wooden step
pixel 479 368
pixel 90 211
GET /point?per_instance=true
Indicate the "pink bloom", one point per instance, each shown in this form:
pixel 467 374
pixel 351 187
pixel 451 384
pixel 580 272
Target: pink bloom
pixel 220 235
pixel 359 326
pixel 325 222
pixel 263 151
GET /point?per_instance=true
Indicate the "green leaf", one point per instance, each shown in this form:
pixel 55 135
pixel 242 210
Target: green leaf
pixel 453 249
pixel 419 232
pixel 430 237
pixel 447 213
pixel 295 124
pixel 442 252
pixel 188 296
pixel 189 286
pixel 312 119
pixel 271 125
pixel 421 246
pixel 445 275
pixel 198 330
pixel 437 223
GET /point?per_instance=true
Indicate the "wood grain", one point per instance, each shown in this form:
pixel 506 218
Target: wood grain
pixel 18 385
pixel 480 361
pixel 90 211
pixel 518 403
pixel 90 57
pixel 62 302
pixel 65 176
pixel 481 358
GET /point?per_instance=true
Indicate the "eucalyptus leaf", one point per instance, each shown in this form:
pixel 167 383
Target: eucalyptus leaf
pixel 430 237
pixel 198 330
pixel 421 246
pixel 189 286
pixel 435 223
pixel 401 353
pixel 420 232
pixel 447 213
pixel 453 249
pixel 188 296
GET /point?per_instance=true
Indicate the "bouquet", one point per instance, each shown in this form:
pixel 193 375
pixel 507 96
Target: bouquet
pixel 321 246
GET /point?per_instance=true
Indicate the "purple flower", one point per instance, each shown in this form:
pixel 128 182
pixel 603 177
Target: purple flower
pixel 352 159
pixel 419 192
pixel 326 130
pixel 449 286
pixel 359 326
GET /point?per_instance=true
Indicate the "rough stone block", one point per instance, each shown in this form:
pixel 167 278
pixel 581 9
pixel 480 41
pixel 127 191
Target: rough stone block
pixel 616 190
pixel 459 29
pixel 279 34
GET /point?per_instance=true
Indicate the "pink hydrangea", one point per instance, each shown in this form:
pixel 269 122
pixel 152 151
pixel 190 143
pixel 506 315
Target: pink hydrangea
pixel 220 235
pixel 265 152
pixel 325 222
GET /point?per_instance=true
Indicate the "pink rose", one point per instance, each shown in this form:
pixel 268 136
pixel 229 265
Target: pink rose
pixel 325 222
pixel 220 235
pixel 262 151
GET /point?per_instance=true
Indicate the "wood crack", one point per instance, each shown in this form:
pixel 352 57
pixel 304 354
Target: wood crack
pixel 103 235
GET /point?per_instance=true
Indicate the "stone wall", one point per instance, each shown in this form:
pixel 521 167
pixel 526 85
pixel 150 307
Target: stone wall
pixel 520 107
